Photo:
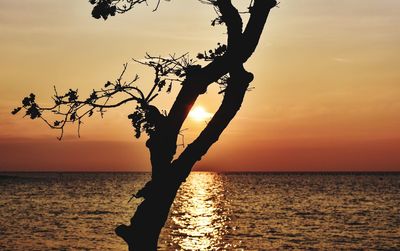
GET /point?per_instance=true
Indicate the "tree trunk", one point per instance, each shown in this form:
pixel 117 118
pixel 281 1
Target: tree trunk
pixel 168 174
pixel 152 213
pixel 150 216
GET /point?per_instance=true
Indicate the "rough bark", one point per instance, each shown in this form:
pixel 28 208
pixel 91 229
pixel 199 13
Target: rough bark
pixel 168 174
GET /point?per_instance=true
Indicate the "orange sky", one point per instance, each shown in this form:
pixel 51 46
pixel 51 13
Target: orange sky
pixel 326 97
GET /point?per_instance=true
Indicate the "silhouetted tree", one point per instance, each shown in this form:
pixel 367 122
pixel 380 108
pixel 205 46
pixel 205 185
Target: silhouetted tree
pixel 222 65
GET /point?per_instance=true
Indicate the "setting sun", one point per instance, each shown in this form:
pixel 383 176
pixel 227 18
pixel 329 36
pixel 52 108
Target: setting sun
pixel 198 113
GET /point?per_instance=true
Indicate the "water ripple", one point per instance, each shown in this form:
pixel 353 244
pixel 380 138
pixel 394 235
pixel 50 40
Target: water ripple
pixel 211 212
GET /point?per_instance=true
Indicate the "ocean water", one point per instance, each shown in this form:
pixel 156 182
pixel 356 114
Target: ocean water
pixel 242 211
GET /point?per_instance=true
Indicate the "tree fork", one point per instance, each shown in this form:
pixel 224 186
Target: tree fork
pixel 152 213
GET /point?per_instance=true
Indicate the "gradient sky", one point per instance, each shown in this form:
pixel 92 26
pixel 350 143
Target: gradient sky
pixel 326 97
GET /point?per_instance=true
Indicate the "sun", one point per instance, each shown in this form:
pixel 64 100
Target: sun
pixel 198 113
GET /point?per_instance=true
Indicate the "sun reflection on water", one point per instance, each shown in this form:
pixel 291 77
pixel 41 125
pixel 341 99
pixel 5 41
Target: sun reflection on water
pixel 198 215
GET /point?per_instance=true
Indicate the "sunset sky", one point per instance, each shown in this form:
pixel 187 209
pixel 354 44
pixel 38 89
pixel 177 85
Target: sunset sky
pixel 326 91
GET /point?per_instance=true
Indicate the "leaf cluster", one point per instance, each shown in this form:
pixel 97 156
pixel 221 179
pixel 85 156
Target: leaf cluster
pixel 213 53
pixel 103 9
pixel 31 108
pixel 146 118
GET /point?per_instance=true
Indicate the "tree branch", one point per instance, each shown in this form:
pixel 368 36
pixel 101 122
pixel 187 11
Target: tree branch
pixel 258 17
pixel 69 108
pixel 233 98
pixel 199 79
pixel 230 16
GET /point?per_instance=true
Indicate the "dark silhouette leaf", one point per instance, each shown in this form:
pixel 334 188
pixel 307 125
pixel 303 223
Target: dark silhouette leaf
pixel 72 95
pixel 16 110
pixel 33 112
pixel 26 101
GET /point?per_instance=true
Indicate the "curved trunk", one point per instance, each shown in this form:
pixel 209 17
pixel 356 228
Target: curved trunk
pixel 160 192
pixel 168 174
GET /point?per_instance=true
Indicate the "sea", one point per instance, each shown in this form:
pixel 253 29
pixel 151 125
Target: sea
pixel 212 211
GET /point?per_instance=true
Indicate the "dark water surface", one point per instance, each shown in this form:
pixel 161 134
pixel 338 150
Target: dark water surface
pixel 212 211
